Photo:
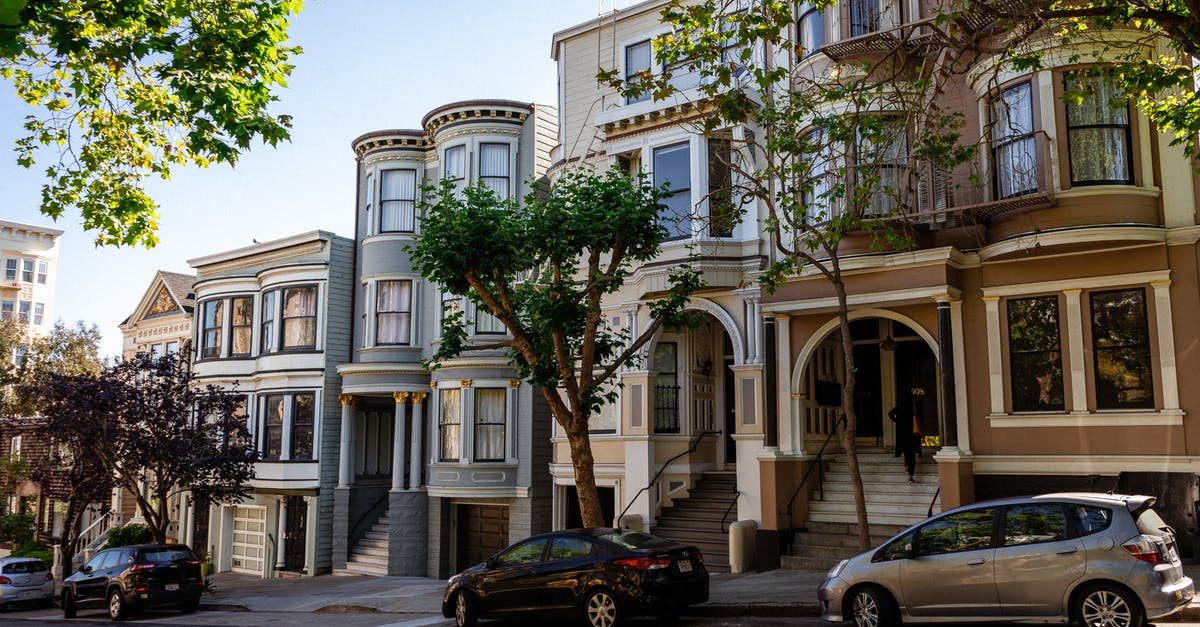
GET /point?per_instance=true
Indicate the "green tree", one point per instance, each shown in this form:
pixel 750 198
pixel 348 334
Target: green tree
pixel 543 268
pixel 32 358
pixel 123 91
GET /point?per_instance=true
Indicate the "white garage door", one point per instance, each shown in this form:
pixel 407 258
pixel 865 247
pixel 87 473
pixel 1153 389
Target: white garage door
pixel 249 539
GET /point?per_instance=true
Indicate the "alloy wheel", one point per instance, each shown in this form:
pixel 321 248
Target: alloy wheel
pixel 601 610
pixel 1106 608
pixel 866 610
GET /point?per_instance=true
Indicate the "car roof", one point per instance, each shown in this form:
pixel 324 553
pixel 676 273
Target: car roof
pixel 14 560
pixel 1099 498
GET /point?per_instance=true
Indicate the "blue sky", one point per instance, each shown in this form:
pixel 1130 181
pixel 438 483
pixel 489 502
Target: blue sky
pixel 367 65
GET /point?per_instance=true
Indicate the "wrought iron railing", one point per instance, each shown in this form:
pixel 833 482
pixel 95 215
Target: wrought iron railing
pixel 819 465
pixel 690 449
pixel 666 409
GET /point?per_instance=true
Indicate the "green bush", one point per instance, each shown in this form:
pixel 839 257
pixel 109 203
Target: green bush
pixel 126 535
pixel 16 528
pixel 35 549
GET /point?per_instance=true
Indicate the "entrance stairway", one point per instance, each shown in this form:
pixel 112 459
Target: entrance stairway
pixel 696 519
pixel 893 504
pixel 369 556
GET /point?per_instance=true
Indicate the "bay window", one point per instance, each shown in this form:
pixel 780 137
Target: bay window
pixel 1098 130
pixel 272 429
pixel 811 26
pixel 393 312
pixel 299 317
pixel 1013 150
pixel 486 323
pixel 672 167
pixel 880 160
pixel 302 426
pixel 1121 345
pixel 454 168
pixel 268 322
pixel 1035 354
pixel 242 314
pixel 494 167
pixel 212 318
pixel 818 178
pixel 293 413
pixel 449 425
pixel 721 212
pixel 397 201
pixel 490 420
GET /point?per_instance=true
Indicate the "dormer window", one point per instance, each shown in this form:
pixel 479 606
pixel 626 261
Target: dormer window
pixel 397 200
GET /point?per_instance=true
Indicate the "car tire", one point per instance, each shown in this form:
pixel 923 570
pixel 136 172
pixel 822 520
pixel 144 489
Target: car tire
pixel 117 608
pixel 872 606
pixel 189 606
pixel 68 604
pixel 466 610
pixel 1106 604
pixel 601 608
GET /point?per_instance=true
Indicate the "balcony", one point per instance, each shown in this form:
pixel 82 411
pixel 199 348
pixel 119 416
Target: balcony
pixel 913 39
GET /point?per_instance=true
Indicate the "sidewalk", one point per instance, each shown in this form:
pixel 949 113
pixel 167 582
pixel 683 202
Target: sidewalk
pixel 771 593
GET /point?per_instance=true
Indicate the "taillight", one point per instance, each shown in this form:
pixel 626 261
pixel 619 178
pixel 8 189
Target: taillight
pixel 141 566
pixel 5 580
pixel 1144 548
pixel 193 562
pixel 644 563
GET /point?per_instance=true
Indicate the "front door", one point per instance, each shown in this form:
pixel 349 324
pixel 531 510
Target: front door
pixel 916 377
pixel 295 538
pixel 868 402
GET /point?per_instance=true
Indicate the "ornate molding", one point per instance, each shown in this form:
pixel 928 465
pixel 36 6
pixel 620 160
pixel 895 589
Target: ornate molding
pixel 419 397
pixel 347 399
pixel 400 397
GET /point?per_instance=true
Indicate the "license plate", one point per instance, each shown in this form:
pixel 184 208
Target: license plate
pixel 172 587
pixel 684 566
pixel 30 594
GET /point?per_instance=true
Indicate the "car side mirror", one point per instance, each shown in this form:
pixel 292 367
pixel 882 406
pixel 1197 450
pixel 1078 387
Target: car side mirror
pixel 910 551
pixel 490 563
pixel 86 570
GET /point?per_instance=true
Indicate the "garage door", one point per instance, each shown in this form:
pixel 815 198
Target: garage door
pixel 249 539
pixel 482 530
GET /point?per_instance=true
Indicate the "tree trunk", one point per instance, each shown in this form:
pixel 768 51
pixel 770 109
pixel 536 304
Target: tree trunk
pixel 851 430
pixel 70 537
pixel 585 478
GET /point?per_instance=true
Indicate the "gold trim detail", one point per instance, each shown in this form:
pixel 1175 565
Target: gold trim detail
pixel 465 383
pixel 400 397
pixel 418 397
pixel 347 399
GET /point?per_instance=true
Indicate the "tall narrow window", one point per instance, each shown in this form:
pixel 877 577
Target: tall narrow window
pixel 821 159
pixel 302 426
pixel 272 433
pixel 24 309
pixel 666 387
pixel 672 167
pixel 1014 154
pixel 490 405
pixel 370 194
pixel 7 309
pixel 10 269
pixel 455 167
pixel 27 270
pixel 393 312
pixel 1035 354
pixel 268 321
pixel 242 310
pixel 213 318
pixel 397 201
pixel 43 269
pixel 637 63
pixel 300 317
pixel 39 312
pixel 865 16
pixel 1121 344
pixel 493 167
pixel 812 28
pixel 449 426
pixel 1098 133
pixel 721 214
pixel 880 160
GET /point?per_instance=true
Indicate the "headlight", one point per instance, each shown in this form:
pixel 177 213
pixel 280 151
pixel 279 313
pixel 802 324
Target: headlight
pixel 837 569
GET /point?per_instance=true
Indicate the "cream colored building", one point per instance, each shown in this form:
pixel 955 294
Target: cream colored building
pixel 28 266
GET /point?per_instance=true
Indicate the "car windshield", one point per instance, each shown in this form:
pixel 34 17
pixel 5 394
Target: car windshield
pixel 636 540
pixel 166 556
pixel 21 568
pixel 1149 522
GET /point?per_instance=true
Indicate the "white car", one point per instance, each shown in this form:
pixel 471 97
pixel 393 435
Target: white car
pixel 25 579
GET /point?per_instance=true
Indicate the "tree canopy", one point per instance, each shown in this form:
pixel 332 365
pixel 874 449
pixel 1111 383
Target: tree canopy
pixel 124 91
pixel 32 359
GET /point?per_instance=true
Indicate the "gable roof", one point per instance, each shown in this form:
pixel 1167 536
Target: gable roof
pixel 178 287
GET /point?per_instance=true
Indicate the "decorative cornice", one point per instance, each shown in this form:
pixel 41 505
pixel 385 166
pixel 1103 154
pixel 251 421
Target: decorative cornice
pixel 419 397
pixel 347 399
pixel 400 397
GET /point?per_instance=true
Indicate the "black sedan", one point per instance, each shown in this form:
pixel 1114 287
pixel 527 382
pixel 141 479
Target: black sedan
pixel 599 575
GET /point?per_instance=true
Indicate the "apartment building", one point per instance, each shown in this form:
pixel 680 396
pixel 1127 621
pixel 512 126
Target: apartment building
pixel 30 255
pixel 1043 322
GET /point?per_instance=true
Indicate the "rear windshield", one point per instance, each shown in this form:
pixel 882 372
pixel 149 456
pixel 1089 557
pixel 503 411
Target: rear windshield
pixel 636 540
pixel 21 568
pixel 1150 523
pixel 166 556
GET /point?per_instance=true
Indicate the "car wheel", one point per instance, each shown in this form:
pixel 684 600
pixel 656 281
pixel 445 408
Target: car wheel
pixel 466 613
pixel 116 605
pixel 68 604
pixel 189 606
pixel 1104 605
pixel 872 606
pixel 601 609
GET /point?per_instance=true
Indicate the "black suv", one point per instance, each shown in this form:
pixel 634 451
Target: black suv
pixel 133 577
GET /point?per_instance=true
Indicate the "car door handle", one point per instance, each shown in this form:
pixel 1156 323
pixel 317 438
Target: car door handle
pixel 1069 551
pixel 975 562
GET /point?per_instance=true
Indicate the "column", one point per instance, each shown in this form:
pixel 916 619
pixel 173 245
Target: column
pixel 281 535
pixel 751 311
pixel 1075 351
pixel 415 454
pixel 401 399
pixel 788 439
pixel 1166 343
pixel 995 364
pixel 345 463
pixel 946 373
pixel 310 536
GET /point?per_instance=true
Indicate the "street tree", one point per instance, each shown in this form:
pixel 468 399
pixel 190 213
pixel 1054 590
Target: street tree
pixel 64 350
pixel 126 91
pixel 543 267
pixel 155 432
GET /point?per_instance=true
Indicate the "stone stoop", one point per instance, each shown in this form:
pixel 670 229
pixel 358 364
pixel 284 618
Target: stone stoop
pixel 370 555
pixel 893 504
pixel 696 519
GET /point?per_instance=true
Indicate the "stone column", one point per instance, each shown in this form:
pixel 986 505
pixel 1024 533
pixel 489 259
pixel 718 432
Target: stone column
pixel 416 455
pixel 345 461
pixel 789 441
pixel 401 399
pixel 281 534
pixel 949 426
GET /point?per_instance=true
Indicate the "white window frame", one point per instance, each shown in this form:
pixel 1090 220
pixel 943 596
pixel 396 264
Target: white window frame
pixel 379 200
pixel 370 290
pixel 28 269
pixel 466 429
pixel 43 271
pixel 39 313
pixel 12 269
pixel 471 160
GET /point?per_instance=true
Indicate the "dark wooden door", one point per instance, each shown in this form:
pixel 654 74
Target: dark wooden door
pixel 295 537
pixel 482 531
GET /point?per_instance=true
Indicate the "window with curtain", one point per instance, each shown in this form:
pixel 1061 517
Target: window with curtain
pixel 486 323
pixel 672 166
pixel 397 201
pixel 865 16
pixel 450 304
pixel 493 167
pixel 212 317
pixel 242 311
pixel 637 61
pixel 1014 152
pixel 449 425
pixel 272 429
pixel 455 167
pixel 393 312
pixel 42 271
pixel 721 213
pixel 1098 130
pixel 490 420
pixel 302 425
pixel 300 317
pixel 1121 346
pixel 268 321
pixel 880 162
pixel 811 26
pixel 1035 354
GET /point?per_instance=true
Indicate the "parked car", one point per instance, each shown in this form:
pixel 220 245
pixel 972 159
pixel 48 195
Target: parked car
pixel 130 578
pixel 25 579
pixel 601 576
pixel 1095 559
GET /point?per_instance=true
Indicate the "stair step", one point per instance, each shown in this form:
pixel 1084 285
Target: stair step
pixel 852 528
pixel 362 558
pixel 913 494
pixel 832 540
pixel 364 569
pixel 889 519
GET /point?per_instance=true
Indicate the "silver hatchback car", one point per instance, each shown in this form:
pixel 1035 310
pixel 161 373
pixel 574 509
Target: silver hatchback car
pixel 25 579
pixel 1099 559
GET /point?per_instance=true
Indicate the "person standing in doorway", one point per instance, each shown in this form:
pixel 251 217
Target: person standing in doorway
pixel 906 416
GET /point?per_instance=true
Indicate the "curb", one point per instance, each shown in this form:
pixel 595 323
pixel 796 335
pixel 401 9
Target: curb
pixel 759 610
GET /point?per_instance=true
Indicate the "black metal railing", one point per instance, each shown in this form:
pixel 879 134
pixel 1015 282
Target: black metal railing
pixel 666 409
pixel 931 503
pixel 818 463
pixel 732 505
pixel 695 443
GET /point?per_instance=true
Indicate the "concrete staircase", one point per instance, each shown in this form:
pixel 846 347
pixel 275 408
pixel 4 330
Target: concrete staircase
pixel 893 503
pixel 696 519
pixel 369 556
